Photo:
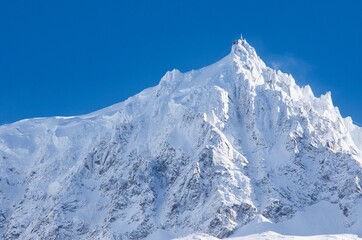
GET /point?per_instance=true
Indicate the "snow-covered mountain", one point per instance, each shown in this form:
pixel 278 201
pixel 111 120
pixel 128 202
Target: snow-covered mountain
pixel 233 148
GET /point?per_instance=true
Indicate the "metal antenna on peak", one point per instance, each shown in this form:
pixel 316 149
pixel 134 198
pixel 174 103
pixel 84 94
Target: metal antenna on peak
pixel 237 41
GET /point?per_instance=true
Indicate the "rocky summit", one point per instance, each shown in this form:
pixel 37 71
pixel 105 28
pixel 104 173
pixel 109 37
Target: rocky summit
pixel 214 151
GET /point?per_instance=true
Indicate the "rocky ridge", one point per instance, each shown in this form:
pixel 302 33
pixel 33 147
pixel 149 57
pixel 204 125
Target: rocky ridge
pixel 208 151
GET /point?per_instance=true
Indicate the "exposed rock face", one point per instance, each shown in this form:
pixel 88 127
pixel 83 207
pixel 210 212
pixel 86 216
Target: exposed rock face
pixel 204 151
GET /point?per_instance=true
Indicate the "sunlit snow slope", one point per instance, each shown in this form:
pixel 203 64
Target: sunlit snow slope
pixel 273 236
pixel 232 148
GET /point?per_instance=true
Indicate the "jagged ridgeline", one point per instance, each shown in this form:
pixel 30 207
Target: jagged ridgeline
pixel 212 150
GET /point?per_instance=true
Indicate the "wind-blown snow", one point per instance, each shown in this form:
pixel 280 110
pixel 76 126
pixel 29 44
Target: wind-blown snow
pixel 214 150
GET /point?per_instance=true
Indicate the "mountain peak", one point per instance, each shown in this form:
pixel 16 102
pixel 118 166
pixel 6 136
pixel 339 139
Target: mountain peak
pixel 211 150
pixel 243 49
pixel 242 59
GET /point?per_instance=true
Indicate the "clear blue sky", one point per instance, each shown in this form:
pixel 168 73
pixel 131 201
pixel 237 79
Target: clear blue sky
pixel 72 57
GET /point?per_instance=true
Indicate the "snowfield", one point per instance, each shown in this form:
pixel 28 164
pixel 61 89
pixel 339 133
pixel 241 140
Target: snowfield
pixel 274 236
pixel 233 150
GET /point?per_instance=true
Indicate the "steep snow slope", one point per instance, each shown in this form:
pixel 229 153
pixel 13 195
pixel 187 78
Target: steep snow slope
pixel 211 150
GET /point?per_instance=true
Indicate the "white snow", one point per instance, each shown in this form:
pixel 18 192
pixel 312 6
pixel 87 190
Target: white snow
pixel 318 219
pixel 54 188
pixel 274 236
pixel 234 147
